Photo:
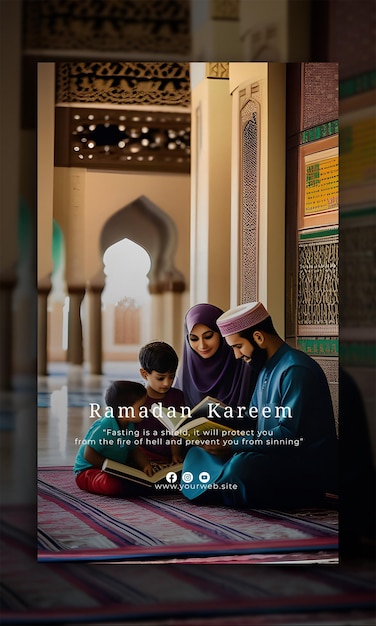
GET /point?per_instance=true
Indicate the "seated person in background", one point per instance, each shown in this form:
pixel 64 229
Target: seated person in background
pixel 90 456
pixel 159 362
pixel 208 366
pixel 289 457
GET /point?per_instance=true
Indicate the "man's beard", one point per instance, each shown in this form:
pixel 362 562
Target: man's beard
pixel 258 358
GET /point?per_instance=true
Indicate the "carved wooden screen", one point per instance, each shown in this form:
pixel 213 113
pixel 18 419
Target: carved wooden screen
pixel 318 284
pixel 249 192
pixel 127 322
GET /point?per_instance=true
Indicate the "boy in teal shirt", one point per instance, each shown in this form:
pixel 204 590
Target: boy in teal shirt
pixel 112 437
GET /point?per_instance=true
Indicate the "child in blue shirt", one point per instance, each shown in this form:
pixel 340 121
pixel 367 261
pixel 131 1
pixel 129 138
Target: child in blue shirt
pixel 113 437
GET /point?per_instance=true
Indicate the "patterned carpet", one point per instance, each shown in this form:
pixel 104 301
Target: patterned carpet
pixel 156 595
pixel 75 525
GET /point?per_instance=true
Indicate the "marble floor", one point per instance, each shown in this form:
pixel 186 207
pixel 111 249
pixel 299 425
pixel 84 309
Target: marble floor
pixel 41 419
pixel 64 399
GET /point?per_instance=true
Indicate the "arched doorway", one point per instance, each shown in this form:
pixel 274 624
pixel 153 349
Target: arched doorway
pixel 146 224
pixel 125 300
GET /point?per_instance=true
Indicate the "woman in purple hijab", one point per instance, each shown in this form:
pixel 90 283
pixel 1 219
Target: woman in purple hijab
pixel 209 367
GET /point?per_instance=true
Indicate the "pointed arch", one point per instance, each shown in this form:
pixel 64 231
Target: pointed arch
pixel 148 225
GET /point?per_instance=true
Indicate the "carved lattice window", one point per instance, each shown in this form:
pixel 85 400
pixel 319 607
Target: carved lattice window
pixel 318 282
pixel 249 199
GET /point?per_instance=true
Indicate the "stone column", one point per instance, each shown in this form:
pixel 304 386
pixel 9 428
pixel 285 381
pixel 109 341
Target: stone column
pixel 95 329
pixel 167 312
pixel 42 331
pixel 173 314
pixel 156 313
pixel 75 340
pixel 210 185
pixel 10 85
pixel 6 293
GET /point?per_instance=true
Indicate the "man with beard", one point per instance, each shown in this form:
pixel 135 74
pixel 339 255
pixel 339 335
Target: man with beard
pixel 286 455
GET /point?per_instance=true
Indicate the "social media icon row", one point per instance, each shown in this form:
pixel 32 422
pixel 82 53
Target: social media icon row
pixel 203 477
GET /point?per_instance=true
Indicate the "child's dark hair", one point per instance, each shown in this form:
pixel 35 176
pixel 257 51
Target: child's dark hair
pixel 124 393
pixel 158 356
pixel 265 326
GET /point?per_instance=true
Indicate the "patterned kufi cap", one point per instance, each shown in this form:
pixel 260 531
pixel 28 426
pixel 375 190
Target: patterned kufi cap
pixel 241 317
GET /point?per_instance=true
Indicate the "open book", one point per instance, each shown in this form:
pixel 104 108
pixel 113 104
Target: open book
pixel 138 476
pixel 200 422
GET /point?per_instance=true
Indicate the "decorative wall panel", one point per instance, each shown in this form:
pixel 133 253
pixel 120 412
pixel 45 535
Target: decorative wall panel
pixel 318 303
pixel 217 70
pixel 318 183
pixel 225 9
pixel 330 368
pixel 127 322
pixel 124 139
pixel 124 83
pixel 358 263
pixel 318 285
pixel 358 153
pixel 321 193
pixel 320 93
pixel 133 26
pixel 250 120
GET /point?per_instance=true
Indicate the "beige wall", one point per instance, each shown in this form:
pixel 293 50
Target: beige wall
pixel 265 30
pixel 108 192
pixel 211 192
pixel 257 19
pixel 69 212
pixel 100 195
pixel 274 30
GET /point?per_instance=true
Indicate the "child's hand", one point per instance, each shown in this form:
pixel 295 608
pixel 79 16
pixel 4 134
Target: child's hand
pixel 176 454
pixel 177 458
pixel 148 469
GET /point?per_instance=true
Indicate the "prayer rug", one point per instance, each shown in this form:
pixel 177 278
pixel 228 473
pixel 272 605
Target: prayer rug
pixel 76 525
pixel 113 593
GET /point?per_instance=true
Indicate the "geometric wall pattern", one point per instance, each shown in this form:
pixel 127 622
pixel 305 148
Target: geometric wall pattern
pixel 123 83
pixel 123 139
pixel 249 116
pixel 149 137
pixel 318 281
pixel 131 26
pixel 357 267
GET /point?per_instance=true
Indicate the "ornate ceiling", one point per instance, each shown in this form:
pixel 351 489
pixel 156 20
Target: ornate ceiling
pixel 145 125
pixel 123 139
pixel 124 83
pixel 133 28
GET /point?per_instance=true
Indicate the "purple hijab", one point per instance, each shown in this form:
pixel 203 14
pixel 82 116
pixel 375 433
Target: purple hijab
pixel 221 376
